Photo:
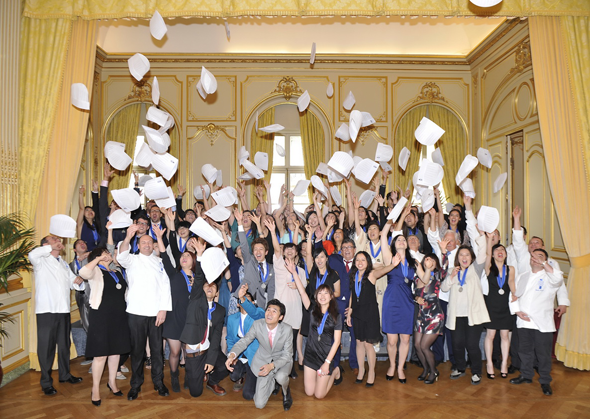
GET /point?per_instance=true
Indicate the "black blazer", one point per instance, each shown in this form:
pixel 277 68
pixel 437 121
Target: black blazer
pixel 196 319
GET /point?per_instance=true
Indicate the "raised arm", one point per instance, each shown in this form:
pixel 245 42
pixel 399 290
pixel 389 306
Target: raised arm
pixel 488 253
pixel 268 197
pixel 308 245
pixel 270 225
pixel 131 230
pixel 318 210
pixel 385 249
pixel 357 225
pixel 80 220
pixel 384 270
pixel 246 255
pixel 349 201
pixel 290 265
pixel 400 223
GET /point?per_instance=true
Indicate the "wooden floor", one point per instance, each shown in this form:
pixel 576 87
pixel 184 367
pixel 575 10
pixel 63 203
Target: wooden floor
pixel 495 399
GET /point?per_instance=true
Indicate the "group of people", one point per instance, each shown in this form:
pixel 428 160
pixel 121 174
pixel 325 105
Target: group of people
pixel 294 282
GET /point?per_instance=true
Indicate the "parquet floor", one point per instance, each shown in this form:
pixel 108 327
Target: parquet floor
pixel 497 399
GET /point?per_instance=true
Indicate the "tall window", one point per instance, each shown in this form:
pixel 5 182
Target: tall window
pixel 288 170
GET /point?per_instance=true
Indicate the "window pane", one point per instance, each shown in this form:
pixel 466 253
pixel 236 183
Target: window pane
pixel 296 151
pixel 276 181
pixel 276 159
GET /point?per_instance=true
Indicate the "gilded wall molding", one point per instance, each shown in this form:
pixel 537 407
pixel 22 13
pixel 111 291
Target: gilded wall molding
pixel 140 91
pixel 430 92
pixel 522 58
pixel 287 87
pixel 212 132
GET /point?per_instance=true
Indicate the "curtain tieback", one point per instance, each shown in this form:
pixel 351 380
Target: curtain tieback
pixel 580 261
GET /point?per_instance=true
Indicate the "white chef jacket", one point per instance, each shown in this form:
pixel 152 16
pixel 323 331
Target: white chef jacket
pixel 53 281
pixel 149 285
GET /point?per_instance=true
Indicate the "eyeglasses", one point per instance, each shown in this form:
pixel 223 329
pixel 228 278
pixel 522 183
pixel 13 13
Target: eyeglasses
pixel 347 247
pixel 142 223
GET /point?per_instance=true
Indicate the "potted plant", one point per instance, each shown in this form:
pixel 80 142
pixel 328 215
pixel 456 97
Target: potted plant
pixel 16 241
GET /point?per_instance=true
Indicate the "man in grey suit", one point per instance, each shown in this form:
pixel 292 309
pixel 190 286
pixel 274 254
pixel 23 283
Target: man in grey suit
pixel 273 359
pixel 258 273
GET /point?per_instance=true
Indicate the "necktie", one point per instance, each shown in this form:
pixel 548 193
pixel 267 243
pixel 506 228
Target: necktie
pixel 270 337
pixel 347 266
pixel 261 270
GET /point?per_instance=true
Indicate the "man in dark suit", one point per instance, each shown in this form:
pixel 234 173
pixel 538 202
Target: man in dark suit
pixel 342 264
pixel 273 359
pixel 202 335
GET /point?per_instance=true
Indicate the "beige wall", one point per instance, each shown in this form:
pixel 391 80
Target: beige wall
pixel 491 91
pixel 504 104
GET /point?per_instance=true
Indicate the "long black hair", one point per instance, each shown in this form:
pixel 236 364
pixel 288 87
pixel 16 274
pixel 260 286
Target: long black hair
pixel 94 225
pixel 354 269
pixel 314 270
pixel 332 307
pixel 409 258
pixel 493 267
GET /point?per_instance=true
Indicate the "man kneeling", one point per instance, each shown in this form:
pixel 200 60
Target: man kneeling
pixel 273 359
pixel 202 335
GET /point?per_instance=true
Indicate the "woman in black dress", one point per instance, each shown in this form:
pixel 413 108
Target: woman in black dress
pixel 181 281
pixel 325 333
pixel 319 273
pixel 108 330
pixel 431 318
pixel 363 311
pixel 500 283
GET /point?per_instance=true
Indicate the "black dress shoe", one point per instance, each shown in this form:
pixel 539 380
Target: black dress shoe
pixel 162 390
pixel 49 391
pixel 546 389
pixel 72 380
pixel 287 400
pixel 133 393
pixel 512 369
pixel 520 379
pixel 276 390
pixel 118 393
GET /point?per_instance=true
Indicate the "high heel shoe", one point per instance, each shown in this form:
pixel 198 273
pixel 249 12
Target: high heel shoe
pixel 432 380
pixel 118 393
pixel 367 384
pixel 504 374
pixel 491 376
pixel 95 402
pixel 423 376
pixel 389 377
pixel 401 380
pixel 360 380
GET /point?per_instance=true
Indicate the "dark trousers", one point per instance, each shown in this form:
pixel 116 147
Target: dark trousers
pixel 53 329
pixel 195 372
pixel 467 337
pixel 534 343
pixel 352 361
pixel 243 370
pixel 143 329
pixel 439 344
pixel 514 346
pixel 295 334
pixel 83 301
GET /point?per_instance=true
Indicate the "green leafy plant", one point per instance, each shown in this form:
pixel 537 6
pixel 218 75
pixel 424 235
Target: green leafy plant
pixel 16 241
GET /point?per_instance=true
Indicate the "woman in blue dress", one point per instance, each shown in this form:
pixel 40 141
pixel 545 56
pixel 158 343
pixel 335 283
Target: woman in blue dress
pixel 398 304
